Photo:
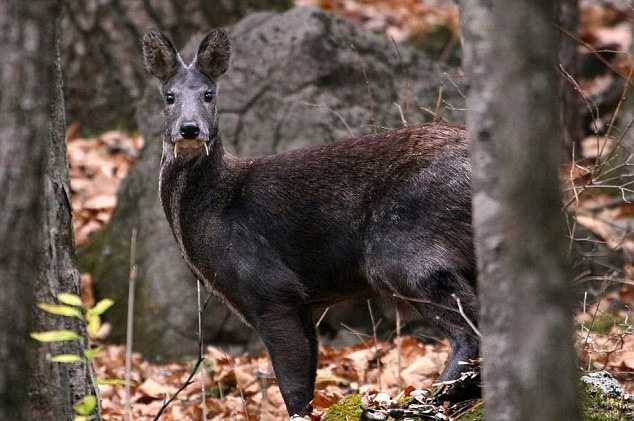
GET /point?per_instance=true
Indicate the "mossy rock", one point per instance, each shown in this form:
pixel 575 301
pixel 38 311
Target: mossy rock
pixel 596 406
pixel 599 406
pixel 347 409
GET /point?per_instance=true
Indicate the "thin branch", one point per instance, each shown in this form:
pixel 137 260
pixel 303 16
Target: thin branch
pixel 464 316
pixel 321 318
pixel 130 325
pixel 593 51
pixel 400 111
pixel 376 345
pixel 398 347
pixel 200 349
pixel 200 360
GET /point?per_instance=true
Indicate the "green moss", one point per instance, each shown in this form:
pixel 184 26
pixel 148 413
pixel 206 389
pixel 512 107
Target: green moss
pixel 475 414
pixel 347 409
pixel 598 406
pixel 604 323
pixel 404 401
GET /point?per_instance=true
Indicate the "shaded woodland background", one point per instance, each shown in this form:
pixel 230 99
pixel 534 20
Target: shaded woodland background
pixel 299 76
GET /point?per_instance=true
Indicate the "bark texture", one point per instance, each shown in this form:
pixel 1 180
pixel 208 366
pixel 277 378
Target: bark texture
pixel 56 387
pixel 26 77
pixel 513 120
pixel 570 101
pixel 296 79
pixel 626 119
pixel 102 46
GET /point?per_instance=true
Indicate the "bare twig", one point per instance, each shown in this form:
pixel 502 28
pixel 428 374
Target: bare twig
pixel 398 346
pixel 199 362
pixel 439 101
pixel 464 316
pixel 333 111
pixel 359 335
pixel 594 52
pixel 455 85
pixel 437 117
pixel 200 351
pixel 321 318
pixel 376 345
pixel 460 310
pixel 400 110
pixel 420 300
pixel 130 325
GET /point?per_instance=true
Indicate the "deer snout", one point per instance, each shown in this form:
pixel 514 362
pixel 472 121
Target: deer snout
pixel 189 130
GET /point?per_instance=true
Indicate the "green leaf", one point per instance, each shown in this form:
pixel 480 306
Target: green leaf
pixel 100 307
pixel 66 358
pixel 94 323
pixel 70 299
pixel 92 352
pixel 55 336
pixel 86 405
pixel 61 310
pixel 111 381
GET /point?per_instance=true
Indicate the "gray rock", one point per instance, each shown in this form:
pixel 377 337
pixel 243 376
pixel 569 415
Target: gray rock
pixel 605 383
pixel 298 78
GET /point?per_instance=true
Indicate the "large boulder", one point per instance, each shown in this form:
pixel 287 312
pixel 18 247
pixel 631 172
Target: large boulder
pixel 298 78
pixel 101 39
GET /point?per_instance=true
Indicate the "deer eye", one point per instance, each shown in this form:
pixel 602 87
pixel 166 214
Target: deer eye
pixel 209 96
pixel 170 98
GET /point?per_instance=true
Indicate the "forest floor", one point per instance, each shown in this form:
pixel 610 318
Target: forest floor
pixel 243 387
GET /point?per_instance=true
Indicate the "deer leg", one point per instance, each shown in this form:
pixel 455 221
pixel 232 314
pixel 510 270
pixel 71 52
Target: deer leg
pixel 435 298
pixel 289 336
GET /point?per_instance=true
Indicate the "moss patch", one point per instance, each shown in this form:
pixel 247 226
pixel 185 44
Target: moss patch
pixel 347 409
pixel 604 323
pixel 597 406
pixel 475 414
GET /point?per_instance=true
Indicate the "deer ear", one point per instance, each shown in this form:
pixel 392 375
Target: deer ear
pixel 160 56
pixel 213 54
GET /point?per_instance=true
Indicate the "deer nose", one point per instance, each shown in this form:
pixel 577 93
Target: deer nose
pixel 189 130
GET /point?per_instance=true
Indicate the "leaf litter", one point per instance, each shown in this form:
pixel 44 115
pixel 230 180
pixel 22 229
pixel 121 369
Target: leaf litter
pixel 243 387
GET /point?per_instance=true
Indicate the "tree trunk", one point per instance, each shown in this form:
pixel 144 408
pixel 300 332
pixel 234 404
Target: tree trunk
pixel 27 47
pixel 570 101
pixel 513 120
pixel 102 49
pixel 56 387
pixel 626 118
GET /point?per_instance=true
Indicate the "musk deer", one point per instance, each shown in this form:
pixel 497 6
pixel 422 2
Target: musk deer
pixel 277 236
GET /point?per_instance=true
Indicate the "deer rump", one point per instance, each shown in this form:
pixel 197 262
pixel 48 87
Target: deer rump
pixel 388 213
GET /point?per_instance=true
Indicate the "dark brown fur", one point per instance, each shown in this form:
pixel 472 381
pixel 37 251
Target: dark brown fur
pixel 276 236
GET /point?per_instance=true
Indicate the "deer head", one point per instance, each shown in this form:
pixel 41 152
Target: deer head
pixel 189 91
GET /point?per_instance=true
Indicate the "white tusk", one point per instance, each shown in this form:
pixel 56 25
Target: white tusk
pixel 206 148
pixel 176 151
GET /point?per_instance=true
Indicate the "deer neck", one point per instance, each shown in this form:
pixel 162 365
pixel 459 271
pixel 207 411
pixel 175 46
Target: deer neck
pixel 193 187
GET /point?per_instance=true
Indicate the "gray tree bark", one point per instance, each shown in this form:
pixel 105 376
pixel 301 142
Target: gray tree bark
pixel 56 387
pixel 102 49
pixel 35 231
pixel 570 101
pixel 513 120
pixel 626 119
pixel 26 34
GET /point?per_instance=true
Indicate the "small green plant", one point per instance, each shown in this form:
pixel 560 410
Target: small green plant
pixel 70 305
